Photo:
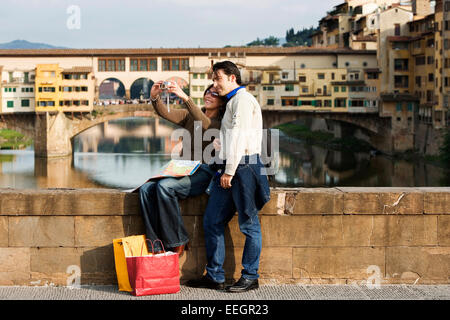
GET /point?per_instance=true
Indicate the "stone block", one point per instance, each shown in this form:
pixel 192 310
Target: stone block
pixel 188 265
pixel 423 263
pixel 41 231
pixel 436 200
pixel 102 230
pixel 328 230
pixel 68 202
pixel 444 230
pixel 194 206
pixel 14 266
pixel 54 260
pixel 276 263
pixel 3 231
pixel 382 200
pixel 319 201
pixel 411 230
pixel 344 262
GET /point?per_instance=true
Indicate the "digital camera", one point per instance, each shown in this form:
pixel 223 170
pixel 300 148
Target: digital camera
pixel 165 85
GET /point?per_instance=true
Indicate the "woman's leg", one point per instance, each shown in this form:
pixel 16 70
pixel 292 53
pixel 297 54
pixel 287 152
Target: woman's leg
pixel 147 197
pixel 169 191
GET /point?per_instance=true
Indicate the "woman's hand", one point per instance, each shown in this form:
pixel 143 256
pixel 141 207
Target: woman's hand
pixel 156 90
pixel 175 88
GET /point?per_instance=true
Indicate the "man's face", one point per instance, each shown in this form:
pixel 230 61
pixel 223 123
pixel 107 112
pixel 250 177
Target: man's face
pixel 223 84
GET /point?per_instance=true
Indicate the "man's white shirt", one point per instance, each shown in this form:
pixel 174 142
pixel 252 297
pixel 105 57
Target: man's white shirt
pixel 241 129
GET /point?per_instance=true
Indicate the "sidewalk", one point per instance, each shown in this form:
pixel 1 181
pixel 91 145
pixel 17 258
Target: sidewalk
pixel 265 292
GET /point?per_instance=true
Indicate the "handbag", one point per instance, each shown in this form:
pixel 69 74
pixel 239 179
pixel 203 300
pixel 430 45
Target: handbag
pixel 154 274
pixel 124 247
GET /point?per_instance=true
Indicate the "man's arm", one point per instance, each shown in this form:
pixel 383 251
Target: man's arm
pixel 242 111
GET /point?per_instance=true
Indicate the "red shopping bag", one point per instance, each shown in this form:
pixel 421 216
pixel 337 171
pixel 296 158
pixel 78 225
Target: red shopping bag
pixel 154 274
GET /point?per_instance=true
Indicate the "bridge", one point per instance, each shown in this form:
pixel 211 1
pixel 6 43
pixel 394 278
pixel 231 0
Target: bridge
pixel 53 132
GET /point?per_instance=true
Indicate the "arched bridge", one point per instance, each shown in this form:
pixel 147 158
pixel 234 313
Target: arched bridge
pixel 53 132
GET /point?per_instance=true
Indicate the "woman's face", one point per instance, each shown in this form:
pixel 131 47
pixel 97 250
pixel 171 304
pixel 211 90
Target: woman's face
pixel 211 98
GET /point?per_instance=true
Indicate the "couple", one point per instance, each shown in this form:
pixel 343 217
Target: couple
pixel 238 180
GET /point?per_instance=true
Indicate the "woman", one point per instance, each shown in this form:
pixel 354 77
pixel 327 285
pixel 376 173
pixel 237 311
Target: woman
pixel 159 199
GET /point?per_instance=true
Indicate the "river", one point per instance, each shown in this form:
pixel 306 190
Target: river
pixel 122 154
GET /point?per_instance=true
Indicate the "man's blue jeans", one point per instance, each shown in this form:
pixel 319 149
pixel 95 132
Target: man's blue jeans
pixel 219 211
pixel 160 208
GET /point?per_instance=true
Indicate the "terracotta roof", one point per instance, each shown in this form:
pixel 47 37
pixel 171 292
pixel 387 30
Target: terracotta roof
pixel 178 51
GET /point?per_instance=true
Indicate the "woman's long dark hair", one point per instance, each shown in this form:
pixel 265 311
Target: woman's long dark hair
pixel 223 103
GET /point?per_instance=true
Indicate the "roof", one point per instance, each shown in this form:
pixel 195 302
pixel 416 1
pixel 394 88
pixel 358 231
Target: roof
pixel 78 70
pixel 176 51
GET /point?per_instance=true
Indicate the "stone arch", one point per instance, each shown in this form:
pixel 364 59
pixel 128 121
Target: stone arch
pixel 111 88
pixel 140 88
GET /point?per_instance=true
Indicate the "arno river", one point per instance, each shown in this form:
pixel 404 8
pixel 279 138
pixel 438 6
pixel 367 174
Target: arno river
pixel 122 154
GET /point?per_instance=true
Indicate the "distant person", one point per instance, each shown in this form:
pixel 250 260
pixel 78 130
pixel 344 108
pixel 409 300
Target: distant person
pixel 159 199
pixel 242 186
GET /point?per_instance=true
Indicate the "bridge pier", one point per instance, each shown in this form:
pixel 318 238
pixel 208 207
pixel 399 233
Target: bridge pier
pixel 52 135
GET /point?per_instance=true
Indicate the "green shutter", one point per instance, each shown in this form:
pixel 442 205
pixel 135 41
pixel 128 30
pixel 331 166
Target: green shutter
pixel 10 104
pixel 313 103
pixel 299 102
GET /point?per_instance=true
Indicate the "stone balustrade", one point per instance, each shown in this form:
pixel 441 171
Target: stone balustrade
pixel 310 235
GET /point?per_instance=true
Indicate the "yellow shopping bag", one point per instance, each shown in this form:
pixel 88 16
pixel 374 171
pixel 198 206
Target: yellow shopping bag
pixel 127 247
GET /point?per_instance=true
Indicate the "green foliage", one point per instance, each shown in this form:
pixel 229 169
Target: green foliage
pixel 299 38
pixel 10 139
pixel 270 41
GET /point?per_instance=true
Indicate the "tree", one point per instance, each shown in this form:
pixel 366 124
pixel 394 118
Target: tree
pixel 271 41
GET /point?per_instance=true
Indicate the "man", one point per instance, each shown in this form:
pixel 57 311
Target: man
pixel 242 187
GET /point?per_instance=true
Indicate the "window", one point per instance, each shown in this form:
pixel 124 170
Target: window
pixel 302 79
pixel 10 104
pixel 270 102
pixel 134 65
pixel 175 64
pixel 401 81
pixel 101 65
pixel 111 65
pixel 400 64
pixel 195 76
pixel 343 89
pixel 289 87
pixel 143 64
pixel 25 103
pixel 398 107
pixel 397 29
pixel 420 60
pixel 321 76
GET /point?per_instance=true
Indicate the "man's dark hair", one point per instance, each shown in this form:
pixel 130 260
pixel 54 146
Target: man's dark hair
pixel 228 68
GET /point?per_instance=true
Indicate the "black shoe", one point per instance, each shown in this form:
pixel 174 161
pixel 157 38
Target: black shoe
pixel 243 285
pixel 205 282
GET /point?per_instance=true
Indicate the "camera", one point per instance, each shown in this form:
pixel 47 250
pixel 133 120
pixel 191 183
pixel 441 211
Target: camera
pixel 165 85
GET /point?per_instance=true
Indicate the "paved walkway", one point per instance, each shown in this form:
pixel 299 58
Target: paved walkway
pixel 265 292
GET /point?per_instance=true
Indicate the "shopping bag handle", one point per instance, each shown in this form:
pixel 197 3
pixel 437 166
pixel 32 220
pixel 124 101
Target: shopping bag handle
pixel 153 247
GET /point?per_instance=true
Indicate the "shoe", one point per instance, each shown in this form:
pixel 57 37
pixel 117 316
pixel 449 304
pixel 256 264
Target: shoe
pixel 205 282
pixel 243 285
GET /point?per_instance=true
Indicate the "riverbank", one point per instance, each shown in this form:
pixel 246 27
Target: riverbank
pixel 13 140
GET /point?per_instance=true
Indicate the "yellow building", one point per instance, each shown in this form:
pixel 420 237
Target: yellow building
pixel 68 90
pixel 47 82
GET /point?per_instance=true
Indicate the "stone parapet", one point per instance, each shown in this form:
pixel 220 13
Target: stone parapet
pixel 320 235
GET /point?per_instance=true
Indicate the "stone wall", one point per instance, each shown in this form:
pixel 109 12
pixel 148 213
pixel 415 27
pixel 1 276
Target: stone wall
pixel 319 235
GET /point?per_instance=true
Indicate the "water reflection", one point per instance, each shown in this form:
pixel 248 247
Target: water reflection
pixel 122 154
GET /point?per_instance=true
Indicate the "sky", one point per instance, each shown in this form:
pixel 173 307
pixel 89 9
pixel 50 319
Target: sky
pixel 155 23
